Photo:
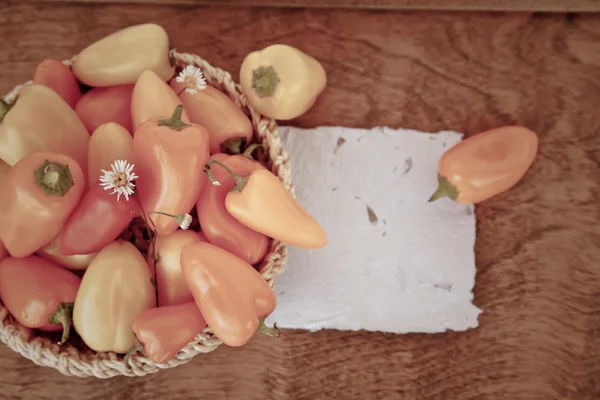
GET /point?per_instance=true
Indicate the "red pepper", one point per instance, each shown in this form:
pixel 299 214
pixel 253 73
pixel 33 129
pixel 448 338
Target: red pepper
pixel 38 293
pixel 58 77
pixel 233 298
pixel 106 104
pixel 37 196
pixel 164 331
pixel 97 220
pixel 217 224
pixel 169 156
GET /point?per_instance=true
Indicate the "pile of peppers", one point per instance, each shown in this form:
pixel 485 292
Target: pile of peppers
pixel 176 146
pixel 69 261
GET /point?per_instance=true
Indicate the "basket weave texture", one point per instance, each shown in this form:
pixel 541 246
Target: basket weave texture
pixel 71 361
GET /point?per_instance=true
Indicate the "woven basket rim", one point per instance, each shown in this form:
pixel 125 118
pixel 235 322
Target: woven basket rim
pixel 70 361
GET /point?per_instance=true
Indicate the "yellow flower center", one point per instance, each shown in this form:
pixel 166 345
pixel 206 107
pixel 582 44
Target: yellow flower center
pixel 120 179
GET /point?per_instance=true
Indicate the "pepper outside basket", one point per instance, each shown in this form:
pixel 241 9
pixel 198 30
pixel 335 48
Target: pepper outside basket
pixel 71 361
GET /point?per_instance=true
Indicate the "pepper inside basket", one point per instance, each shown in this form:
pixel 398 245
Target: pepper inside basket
pixel 74 357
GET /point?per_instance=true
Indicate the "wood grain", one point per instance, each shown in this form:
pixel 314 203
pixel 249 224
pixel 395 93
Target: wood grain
pixel 537 250
pixel 446 5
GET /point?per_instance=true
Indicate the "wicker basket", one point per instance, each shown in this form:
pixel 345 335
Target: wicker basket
pixel 70 360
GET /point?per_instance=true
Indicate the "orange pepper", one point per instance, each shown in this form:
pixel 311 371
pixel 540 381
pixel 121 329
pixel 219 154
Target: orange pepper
pixel 485 164
pixel 38 293
pixel 163 332
pixel 51 252
pixel 172 287
pixel 169 155
pixel 37 196
pixel 106 104
pixel 58 77
pixel 218 225
pixel 261 202
pixel 108 143
pixel 233 298
pixel 41 121
pixel 227 125
pixel 152 98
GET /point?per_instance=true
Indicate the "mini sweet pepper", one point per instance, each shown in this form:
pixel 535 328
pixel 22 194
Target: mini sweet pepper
pixel 232 296
pixel 281 81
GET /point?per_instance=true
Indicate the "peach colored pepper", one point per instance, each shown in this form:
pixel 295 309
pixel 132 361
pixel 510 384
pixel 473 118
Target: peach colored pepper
pixel 106 104
pixel 108 143
pixel 233 298
pixel 58 77
pixel 218 225
pixel 169 155
pixel 227 125
pixel 486 164
pixel 152 98
pixel 37 196
pixel 172 287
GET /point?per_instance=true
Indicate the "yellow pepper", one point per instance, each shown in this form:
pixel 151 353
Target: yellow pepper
pixel 41 120
pixel 282 82
pixel 115 289
pixel 122 56
pixel 51 252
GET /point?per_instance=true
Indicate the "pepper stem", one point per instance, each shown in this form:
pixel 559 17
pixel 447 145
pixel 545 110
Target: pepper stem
pixel 264 81
pixel 250 149
pixel 233 146
pixel 265 330
pixel 175 122
pixel 63 316
pixel 444 189
pixel 4 109
pixel 53 178
pixel 240 181
pixel 137 346
pixel 172 60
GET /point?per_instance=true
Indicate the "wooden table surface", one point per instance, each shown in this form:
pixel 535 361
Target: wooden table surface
pixel 538 246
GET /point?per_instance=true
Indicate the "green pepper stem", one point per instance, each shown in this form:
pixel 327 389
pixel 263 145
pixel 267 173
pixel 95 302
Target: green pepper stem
pixel 233 146
pixel 4 109
pixel 444 189
pixel 250 149
pixel 172 59
pixel 152 234
pixel 240 181
pixel 265 330
pixel 175 122
pixel 53 178
pixel 137 346
pixel 264 81
pixel 63 316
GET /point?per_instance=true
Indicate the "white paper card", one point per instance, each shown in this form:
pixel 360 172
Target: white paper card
pixel 407 267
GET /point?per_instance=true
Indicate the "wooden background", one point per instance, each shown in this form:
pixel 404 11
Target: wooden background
pixel 538 246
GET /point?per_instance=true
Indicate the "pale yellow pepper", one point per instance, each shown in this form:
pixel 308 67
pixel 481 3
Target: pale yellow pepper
pixel 115 289
pixel 40 120
pixel 282 82
pixel 122 56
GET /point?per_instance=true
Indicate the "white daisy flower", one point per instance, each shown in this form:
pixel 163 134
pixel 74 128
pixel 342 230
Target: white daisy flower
pixel 184 221
pixel 120 179
pixel 192 78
